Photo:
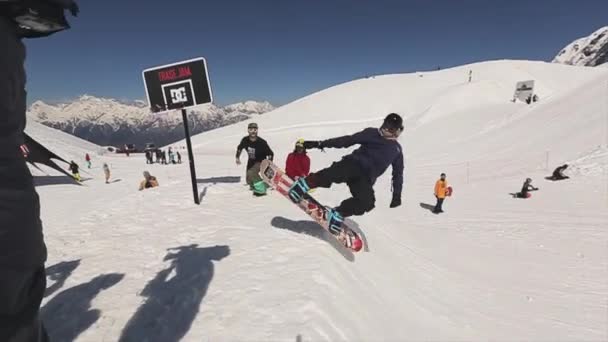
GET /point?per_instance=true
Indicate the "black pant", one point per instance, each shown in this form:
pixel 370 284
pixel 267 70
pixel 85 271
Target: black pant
pixel 438 208
pixel 22 249
pixel 350 172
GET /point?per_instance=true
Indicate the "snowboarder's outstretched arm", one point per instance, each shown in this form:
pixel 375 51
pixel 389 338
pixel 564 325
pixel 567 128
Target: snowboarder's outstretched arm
pixel 397 181
pixel 339 142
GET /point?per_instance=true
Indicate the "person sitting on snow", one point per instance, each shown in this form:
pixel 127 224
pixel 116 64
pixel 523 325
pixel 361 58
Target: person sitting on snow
pixel 378 149
pixel 298 163
pixel 148 182
pixel 558 173
pixel 525 189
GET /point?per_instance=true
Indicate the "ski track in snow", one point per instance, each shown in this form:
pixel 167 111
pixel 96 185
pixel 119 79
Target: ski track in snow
pixel 150 265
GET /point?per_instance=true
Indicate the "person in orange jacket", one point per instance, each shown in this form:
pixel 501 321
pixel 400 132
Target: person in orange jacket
pixel 298 162
pixel 441 187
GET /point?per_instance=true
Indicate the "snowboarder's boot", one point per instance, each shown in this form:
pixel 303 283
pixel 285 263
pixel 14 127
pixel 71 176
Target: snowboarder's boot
pixel 259 188
pixel 299 188
pixel 334 221
pixel 348 238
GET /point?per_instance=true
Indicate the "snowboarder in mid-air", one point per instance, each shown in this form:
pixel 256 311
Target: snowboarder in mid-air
pixel 359 170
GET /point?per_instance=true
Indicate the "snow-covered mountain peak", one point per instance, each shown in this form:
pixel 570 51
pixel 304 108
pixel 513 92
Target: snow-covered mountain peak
pixel 587 51
pixel 108 121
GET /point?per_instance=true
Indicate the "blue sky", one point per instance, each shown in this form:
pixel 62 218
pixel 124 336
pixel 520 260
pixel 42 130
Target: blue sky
pixel 283 50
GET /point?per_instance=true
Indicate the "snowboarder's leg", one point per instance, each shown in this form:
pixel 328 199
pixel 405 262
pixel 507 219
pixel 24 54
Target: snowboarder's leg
pixel 254 180
pixel 363 199
pixel 338 172
pixel 437 208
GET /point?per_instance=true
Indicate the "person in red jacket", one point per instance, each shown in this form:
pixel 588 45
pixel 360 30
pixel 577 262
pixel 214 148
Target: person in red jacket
pixel 298 163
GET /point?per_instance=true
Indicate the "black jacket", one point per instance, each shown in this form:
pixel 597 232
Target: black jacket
pixel 257 150
pixel 375 154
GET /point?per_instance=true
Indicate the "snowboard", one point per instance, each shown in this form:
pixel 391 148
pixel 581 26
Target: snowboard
pixel 275 177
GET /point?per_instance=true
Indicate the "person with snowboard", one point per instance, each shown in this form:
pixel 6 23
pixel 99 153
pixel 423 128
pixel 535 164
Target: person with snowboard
pixel 525 189
pixel 148 182
pixel 23 251
pixel 558 173
pixel 441 188
pixel 106 172
pixel 257 150
pixel 378 149
pixel 75 170
pixel 88 160
pixel 298 163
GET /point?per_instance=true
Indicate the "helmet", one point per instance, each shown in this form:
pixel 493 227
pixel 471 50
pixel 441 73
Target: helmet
pixel 300 142
pixel 393 122
pixel 252 125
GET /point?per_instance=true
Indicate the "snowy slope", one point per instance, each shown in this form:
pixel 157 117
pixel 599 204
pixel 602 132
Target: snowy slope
pixel 64 145
pixel 152 266
pixel 586 51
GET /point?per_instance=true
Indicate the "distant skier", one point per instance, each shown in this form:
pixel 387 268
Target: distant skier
pixel 441 188
pixel 298 162
pixel 88 160
pixel 179 157
pixel 106 172
pixel 257 150
pixel 75 170
pixel 359 170
pixel 148 182
pixel 525 189
pixel 558 173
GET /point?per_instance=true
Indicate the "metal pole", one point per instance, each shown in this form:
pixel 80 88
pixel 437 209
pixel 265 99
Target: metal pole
pixel 191 158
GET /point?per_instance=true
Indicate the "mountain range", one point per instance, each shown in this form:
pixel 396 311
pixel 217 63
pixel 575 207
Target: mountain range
pixel 110 122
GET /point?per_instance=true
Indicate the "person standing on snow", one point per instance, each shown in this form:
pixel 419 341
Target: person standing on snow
pixel 88 160
pixel 106 172
pixel 75 170
pixel 257 150
pixel 298 163
pixel 378 149
pixel 441 188
pixel 22 249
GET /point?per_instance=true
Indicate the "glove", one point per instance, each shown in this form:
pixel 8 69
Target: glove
pixel 312 144
pixel 396 201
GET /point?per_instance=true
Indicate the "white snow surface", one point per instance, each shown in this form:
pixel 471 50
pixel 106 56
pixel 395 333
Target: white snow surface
pixel 128 265
pixel 586 51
